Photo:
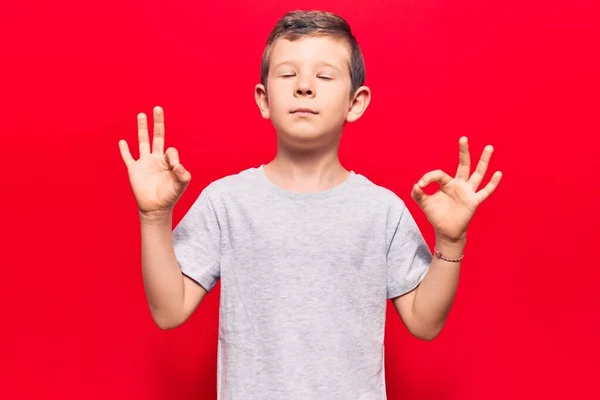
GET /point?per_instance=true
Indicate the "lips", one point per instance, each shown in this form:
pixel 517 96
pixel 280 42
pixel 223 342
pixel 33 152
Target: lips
pixel 303 111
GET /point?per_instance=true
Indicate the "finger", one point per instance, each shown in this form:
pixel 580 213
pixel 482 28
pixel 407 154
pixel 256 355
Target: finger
pixel 158 141
pixel 125 153
pixel 182 174
pixel 490 187
pixel 419 195
pixel 172 157
pixel 143 139
pixel 482 167
pixel 464 159
pixel 437 176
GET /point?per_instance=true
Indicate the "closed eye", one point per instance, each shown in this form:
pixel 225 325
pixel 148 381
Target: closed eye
pixel 325 78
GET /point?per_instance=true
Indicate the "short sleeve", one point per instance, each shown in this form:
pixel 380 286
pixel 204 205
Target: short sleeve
pixel 408 256
pixel 197 242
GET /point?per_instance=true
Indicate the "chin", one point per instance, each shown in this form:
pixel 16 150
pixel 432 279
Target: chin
pixel 304 139
pixel 302 132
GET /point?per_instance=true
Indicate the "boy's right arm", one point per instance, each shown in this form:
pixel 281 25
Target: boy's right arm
pixel 158 180
pixel 172 296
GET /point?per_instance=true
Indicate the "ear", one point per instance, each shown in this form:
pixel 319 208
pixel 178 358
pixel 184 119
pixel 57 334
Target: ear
pixel 262 100
pixel 358 105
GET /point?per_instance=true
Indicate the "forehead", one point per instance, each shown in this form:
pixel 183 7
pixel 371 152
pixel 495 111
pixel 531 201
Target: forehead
pixel 311 49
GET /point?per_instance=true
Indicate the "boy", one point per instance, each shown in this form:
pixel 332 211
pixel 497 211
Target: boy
pixel 307 252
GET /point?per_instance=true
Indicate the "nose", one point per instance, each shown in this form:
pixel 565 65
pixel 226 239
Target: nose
pixel 305 88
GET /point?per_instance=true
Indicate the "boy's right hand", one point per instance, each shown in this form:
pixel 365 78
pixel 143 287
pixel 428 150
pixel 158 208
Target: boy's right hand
pixel 157 178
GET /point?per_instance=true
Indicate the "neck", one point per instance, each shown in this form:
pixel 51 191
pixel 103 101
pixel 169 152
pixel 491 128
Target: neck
pixel 308 171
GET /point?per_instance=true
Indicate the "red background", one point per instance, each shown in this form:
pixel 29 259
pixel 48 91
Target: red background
pixel 521 75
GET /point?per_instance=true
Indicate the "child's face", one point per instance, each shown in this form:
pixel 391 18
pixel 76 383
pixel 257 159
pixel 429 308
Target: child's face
pixel 310 74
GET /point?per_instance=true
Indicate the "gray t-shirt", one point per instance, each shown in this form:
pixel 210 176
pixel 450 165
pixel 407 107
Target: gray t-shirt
pixel 305 280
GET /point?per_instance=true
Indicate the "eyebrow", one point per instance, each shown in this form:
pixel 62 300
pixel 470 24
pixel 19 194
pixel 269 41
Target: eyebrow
pixel 324 63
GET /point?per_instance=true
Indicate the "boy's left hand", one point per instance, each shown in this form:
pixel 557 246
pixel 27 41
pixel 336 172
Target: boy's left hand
pixel 451 208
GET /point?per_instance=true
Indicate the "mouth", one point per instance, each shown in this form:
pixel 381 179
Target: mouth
pixel 304 111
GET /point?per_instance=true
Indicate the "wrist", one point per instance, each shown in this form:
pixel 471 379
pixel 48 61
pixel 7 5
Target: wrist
pixel 450 248
pixel 159 217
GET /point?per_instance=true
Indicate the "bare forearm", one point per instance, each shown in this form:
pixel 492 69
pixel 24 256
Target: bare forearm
pixel 161 274
pixel 435 294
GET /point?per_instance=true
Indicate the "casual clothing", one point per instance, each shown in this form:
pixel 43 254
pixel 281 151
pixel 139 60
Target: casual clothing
pixel 304 283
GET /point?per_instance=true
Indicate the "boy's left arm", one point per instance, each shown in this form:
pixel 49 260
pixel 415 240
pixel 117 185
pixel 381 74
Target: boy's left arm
pixel 425 309
pixel 449 210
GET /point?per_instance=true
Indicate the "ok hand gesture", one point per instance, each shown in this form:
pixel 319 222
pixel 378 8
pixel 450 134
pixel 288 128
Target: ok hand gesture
pixel 157 178
pixel 451 208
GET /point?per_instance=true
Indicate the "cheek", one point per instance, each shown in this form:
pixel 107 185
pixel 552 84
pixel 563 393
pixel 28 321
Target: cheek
pixel 341 103
pixel 276 100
